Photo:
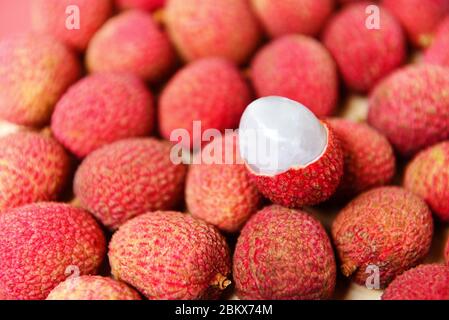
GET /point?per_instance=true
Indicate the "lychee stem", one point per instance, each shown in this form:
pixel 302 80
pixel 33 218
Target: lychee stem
pixel 348 268
pixel 221 281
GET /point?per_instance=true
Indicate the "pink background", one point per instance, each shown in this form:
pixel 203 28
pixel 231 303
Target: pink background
pixel 14 16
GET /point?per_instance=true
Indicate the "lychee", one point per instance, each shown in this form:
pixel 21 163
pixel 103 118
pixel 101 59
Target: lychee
pixel 131 42
pixel 100 109
pixel 387 230
pixel 128 178
pixel 420 18
pixel 298 68
pixel 189 259
pixel 364 54
pixel 92 288
pixel 41 244
pixel 438 53
pixel 284 254
pixel 72 22
pixel 210 90
pixel 34 73
pixel 369 159
pixel 298 16
pixel 33 168
pixel 425 282
pixel 220 28
pixel 411 107
pixel 222 193
pixel 148 5
pixel 428 176
pixel 294 159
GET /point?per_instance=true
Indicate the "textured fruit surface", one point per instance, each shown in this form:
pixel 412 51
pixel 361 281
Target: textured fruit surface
pixel 209 90
pixel 438 53
pixel 411 107
pixel 425 282
pixel 284 254
pixel 34 72
pixel 223 28
pixel 54 16
pixel 189 258
pixel 128 178
pixel 298 68
pixel 149 5
pixel 33 168
pixel 293 16
pixel 369 159
pixel 388 227
pixel 40 243
pixel 92 288
pixel 420 18
pixel 428 176
pixel 306 185
pixel 364 56
pixel 222 193
pixel 100 109
pixel 131 42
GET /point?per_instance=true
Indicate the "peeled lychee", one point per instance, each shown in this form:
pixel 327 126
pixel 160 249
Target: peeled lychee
pixel 297 16
pixel 420 18
pixel 438 53
pixel 170 255
pixel 364 54
pixel 43 243
pixel 100 109
pixel 221 192
pixel 283 254
pixel 211 90
pixel 411 107
pixel 128 178
pixel 72 22
pixel 425 282
pixel 369 159
pixel 298 68
pixel 131 42
pixel 219 28
pixel 387 230
pixel 33 168
pixel 428 176
pixel 294 159
pixel 34 73
pixel 93 288
pixel 148 5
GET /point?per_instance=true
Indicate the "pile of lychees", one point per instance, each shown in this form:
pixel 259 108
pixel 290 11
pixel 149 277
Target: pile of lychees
pixel 93 205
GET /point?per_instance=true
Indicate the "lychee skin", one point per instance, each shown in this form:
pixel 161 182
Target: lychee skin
pixel 50 17
pixel 307 185
pixel 128 178
pixel 298 68
pixel 438 53
pixel 222 193
pixel 411 107
pixel 425 282
pixel 34 73
pixel 284 254
pixel 287 17
pixel 210 90
pixel 387 227
pixel 41 242
pixel 148 5
pixel 100 109
pixel 220 28
pixel 93 288
pixel 33 168
pixel 427 175
pixel 364 56
pixel 189 258
pixel 369 160
pixel 131 42
pixel 420 18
